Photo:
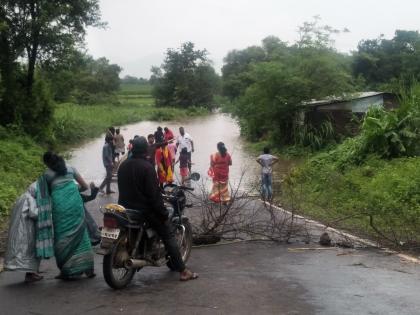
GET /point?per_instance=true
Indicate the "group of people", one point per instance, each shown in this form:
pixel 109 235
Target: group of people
pixel 50 220
pixel 161 153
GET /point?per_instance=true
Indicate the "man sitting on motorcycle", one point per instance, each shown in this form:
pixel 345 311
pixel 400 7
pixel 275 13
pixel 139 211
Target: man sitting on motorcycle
pixel 139 189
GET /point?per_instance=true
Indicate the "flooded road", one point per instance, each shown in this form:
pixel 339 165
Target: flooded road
pixel 206 132
pixel 236 278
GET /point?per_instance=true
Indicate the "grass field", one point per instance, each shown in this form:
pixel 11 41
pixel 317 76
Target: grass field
pixel 135 89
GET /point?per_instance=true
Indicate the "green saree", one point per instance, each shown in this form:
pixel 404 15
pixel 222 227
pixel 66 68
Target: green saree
pixel 73 251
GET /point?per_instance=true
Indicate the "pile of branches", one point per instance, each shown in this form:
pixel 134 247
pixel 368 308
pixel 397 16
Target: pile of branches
pixel 245 217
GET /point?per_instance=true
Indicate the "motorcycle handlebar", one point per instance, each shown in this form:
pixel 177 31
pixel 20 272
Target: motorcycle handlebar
pixel 186 188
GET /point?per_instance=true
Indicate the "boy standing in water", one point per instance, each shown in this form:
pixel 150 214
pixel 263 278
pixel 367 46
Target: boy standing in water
pixel 266 160
pixel 184 162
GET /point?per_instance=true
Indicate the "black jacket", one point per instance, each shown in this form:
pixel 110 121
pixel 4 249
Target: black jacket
pixel 138 187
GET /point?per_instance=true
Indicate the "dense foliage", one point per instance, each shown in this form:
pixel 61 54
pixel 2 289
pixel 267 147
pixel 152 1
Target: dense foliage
pixel 186 78
pixel 383 63
pixel 267 84
pixel 32 32
pixel 16 173
pixel 357 186
pixel 81 78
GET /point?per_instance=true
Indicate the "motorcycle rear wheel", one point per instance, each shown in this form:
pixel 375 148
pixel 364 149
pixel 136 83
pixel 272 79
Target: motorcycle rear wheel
pixel 185 246
pixel 116 276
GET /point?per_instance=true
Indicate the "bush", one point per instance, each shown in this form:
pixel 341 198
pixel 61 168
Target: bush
pixel 378 197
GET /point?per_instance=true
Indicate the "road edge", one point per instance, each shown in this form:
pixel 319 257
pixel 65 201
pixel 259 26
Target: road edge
pixel 354 238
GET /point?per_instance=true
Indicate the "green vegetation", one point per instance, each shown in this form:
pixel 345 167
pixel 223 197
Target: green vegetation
pixel 31 31
pixel 266 83
pixel 74 123
pixel 370 183
pixel 20 165
pixel 185 79
pixel 135 89
pixel 384 63
pixel 378 198
pixel 82 79
pixel 135 93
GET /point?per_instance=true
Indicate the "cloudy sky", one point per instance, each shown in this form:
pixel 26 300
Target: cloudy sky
pixel 140 31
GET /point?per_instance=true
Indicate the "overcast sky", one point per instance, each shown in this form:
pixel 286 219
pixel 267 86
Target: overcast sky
pixel 139 31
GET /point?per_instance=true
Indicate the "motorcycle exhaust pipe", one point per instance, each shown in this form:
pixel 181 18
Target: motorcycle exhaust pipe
pixel 135 263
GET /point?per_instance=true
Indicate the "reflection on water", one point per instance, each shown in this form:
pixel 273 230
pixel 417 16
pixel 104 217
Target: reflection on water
pixel 206 132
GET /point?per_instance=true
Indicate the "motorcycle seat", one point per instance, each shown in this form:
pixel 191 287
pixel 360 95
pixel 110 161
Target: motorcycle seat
pixel 135 215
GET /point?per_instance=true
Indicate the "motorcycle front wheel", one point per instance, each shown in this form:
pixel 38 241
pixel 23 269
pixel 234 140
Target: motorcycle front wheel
pixel 184 243
pixel 115 273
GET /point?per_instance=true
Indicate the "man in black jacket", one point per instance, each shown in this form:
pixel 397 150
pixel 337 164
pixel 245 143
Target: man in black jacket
pixel 139 189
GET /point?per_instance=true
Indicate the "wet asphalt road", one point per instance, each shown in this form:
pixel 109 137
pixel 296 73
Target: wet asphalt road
pixel 240 278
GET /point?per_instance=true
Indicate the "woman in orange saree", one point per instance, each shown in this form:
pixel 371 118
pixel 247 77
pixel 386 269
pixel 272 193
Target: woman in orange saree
pixel 164 165
pixel 219 171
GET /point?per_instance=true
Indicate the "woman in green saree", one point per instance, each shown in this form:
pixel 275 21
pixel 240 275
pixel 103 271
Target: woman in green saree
pixel 72 248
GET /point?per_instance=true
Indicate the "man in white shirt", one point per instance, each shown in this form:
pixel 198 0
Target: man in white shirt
pixel 184 140
pixel 267 160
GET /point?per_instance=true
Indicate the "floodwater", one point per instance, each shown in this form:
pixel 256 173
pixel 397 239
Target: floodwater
pixel 206 132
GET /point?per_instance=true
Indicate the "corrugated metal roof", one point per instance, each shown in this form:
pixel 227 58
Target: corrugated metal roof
pixel 344 98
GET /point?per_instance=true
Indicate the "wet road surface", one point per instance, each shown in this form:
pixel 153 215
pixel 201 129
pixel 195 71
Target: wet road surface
pixel 239 278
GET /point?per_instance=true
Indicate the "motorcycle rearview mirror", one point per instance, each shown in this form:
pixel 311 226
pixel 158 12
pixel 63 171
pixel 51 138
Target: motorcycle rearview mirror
pixel 195 176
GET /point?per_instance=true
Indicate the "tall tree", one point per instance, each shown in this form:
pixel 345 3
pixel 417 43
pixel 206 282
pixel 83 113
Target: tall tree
pixel 38 30
pixel 383 61
pixel 81 76
pixel 267 83
pixel 185 78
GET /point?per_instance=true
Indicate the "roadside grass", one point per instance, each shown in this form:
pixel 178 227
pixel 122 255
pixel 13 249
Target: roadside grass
pixel 379 199
pixel 20 165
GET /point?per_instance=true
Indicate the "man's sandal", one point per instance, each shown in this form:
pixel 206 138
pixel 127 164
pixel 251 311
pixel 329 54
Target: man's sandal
pixel 32 277
pixel 188 275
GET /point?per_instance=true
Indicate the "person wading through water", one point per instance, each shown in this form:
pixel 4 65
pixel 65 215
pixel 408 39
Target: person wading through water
pixel 184 140
pixel 108 160
pixel 164 165
pixel 219 172
pixel 119 143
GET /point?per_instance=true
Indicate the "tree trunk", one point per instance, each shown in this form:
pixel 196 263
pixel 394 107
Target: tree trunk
pixel 32 51
pixel 7 106
pixel 32 55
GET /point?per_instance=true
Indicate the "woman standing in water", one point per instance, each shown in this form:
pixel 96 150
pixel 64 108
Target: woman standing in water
pixel 164 165
pixel 72 248
pixel 219 171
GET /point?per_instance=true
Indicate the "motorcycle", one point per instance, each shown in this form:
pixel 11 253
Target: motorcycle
pixel 128 243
